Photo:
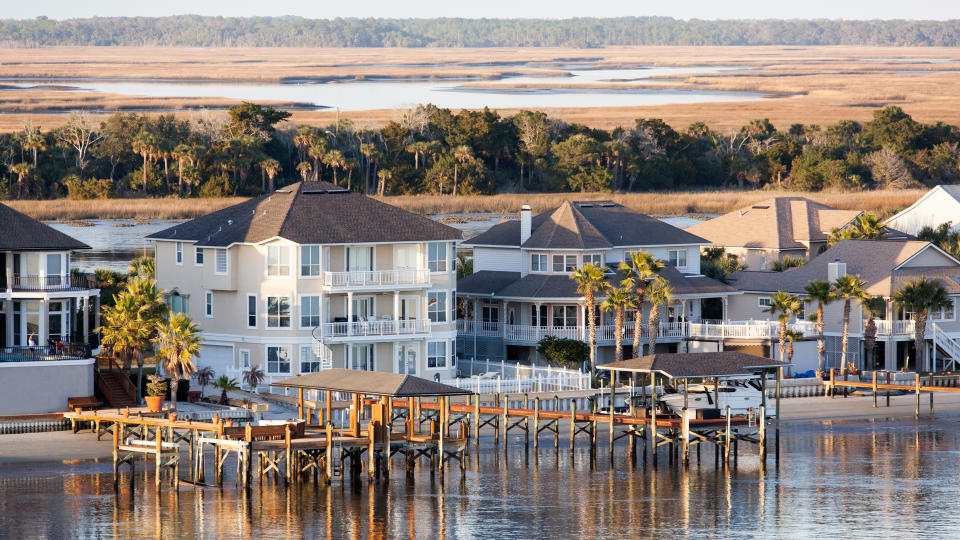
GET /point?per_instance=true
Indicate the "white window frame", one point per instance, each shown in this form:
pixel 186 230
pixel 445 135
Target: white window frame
pixel 543 261
pixel 443 356
pixel 217 254
pixel 179 253
pixel 441 264
pixel 302 264
pixel 353 356
pixel 279 316
pixel 197 255
pixel 679 252
pixel 598 256
pixel 318 315
pixel 564 309
pixel 566 263
pixel 279 265
pixel 444 311
pixel 266 360
pixel 764 302
pixel 313 358
pixel 255 313
pixel 244 354
pixel 941 315
pixel 208 304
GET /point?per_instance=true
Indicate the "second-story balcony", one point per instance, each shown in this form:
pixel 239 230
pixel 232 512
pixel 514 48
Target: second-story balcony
pixel 376 278
pixel 529 334
pixel 43 283
pixel 365 330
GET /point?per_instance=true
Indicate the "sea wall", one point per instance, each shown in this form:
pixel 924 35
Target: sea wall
pixel 43 386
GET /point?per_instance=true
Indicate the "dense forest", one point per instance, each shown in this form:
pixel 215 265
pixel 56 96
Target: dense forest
pixel 197 31
pixel 251 149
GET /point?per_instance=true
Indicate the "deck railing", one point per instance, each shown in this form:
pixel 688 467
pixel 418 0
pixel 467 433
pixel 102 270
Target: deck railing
pixel 667 330
pixel 376 278
pixel 372 328
pixel 24 282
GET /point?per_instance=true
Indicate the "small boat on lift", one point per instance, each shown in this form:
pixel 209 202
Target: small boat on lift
pixel 742 396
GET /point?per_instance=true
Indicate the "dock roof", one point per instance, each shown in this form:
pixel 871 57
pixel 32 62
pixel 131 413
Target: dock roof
pixel 696 365
pixel 374 383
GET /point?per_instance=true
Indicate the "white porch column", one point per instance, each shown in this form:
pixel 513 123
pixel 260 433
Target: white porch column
pixel 583 322
pixel 726 301
pixel 503 321
pixel 396 307
pixel 350 313
pixel 9 271
pixel 8 330
pixel 348 357
pixel 43 333
pixel 86 319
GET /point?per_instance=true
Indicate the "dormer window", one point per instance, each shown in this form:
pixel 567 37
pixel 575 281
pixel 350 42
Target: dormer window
pixel 564 263
pixel 595 259
pixel 677 258
pixel 538 262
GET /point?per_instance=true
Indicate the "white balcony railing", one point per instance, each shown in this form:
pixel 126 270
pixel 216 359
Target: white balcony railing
pixel 372 328
pixel 376 278
pixel 886 327
pixel 667 330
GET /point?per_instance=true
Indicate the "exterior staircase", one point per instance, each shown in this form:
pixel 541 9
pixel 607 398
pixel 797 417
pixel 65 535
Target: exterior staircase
pixel 948 345
pixel 114 385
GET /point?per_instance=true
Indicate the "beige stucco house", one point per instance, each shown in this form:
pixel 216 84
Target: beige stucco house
pixel 314 276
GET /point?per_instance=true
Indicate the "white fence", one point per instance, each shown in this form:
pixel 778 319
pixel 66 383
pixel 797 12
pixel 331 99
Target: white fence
pixel 484 376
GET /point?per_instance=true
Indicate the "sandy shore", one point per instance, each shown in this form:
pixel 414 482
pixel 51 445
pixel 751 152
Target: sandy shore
pixel 65 446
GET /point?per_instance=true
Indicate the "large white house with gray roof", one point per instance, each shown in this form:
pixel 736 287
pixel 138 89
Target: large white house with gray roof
pixel 314 276
pixel 521 290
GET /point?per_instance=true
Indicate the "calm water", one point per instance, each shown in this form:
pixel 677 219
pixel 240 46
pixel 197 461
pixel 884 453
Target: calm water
pixel 854 479
pixel 115 242
pixel 391 94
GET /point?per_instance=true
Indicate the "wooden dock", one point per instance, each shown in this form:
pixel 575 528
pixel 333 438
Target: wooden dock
pixel 930 383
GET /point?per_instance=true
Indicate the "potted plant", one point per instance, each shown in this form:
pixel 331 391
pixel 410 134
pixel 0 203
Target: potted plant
pixel 156 391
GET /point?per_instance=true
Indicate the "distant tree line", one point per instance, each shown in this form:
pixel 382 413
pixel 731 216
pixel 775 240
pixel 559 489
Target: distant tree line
pixel 197 31
pixel 250 149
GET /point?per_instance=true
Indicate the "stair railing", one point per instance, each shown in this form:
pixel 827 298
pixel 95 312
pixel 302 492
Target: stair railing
pixel 110 363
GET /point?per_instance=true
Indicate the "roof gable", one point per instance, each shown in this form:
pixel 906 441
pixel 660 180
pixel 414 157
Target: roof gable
pixel 23 233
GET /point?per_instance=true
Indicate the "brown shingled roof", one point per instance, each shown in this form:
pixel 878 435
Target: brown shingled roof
pixel 696 365
pixel 777 223
pixel 309 213
pixel 587 225
pixel 21 232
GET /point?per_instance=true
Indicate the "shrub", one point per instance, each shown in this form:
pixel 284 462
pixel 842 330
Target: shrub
pixel 157 386
pixel 92 188
pixel 564 352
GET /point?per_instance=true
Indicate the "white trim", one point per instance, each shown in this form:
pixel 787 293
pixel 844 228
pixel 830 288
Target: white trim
pixel 921 250
pixel 916 204
pixel 266 312
pixel 319 298
pixel 208 304
pixel 198 249
pixel 266 262
pixel 226 258
pixel 240 359
pixel 256 313
pixel 320 268
pixel 48 363
pixel 266 359
pixel 178 253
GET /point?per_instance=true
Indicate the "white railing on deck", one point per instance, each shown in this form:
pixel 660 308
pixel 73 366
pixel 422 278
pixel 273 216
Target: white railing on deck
pixel 372 328
pixel 499 376
pixel 376 278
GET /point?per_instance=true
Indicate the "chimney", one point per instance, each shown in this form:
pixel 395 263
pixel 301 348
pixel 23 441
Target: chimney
pixel 526 217
pixel 835 270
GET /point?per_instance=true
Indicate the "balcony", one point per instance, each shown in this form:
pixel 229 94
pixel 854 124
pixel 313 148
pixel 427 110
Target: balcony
pixel 523 333
pixel 376 278
pixel 747 329
pixel 887 327
pixel 21 282
pixel 339 331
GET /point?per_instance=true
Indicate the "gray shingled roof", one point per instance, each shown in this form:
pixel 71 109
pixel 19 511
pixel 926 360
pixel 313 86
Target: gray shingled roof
pixel 309 213
pixel 21 232
pixel 696 365
pixel 374 383
pixel 511 285
pixel 873 260
pixel 587 225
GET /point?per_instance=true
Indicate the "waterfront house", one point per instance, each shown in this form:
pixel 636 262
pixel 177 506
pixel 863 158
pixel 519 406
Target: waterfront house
pixel 47 314
pixel 314 276
pixel 770 230
pixel 939 205
pixel 521 290
pixel 885 266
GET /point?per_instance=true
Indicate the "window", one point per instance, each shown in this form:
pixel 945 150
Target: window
pixel 538 316
pixel 244 359
pixel 278 359
pixel 538 262
pixel 58 321
pixel 278 261
pixel 564 263
pixel 309 311
pixel 490 313
pixel 436 354
pixel 309 261
pixel 309 361
pixel 946 314
pixel 251 311
pixel 221 261
pixel 677 257
pixel 407 256
pixel 54 268
pixel 764 302
pixel 177 302
pixel 564 315
pixel 360 259
pixel 361 357
pixel 437 256
pixel 208 304
pixel 595 259
pixel 407 358
pixel 278 312
pixel 198 255
pixel 179 252
pixel 437 306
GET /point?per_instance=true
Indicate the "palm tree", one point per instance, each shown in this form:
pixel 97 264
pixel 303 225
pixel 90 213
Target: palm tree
pixel 21 169
pixel 145 145
pixel 640 267
pixel 659 293
pixel 782 306
pixel 866 227
pixel 183 152
pixel 316 153
pixel 143 267
pixel 873 307
pixel 304 168
pixel 822 293
pixel 204 376
pixel 383 175
pixel 792 336
pixel 921 296
pixel 150 308
pixel 34 143
pixel 179 340
pixel 335 160
pixel 847 288
pixel 617 301
pixel 269 168
pixel 590 280
pixel 254 377
pixel 122 329
pixel 418 149
pixel 225 384
pixel 460 154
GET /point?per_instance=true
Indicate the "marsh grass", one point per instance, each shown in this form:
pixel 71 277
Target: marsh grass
pixel 169 208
